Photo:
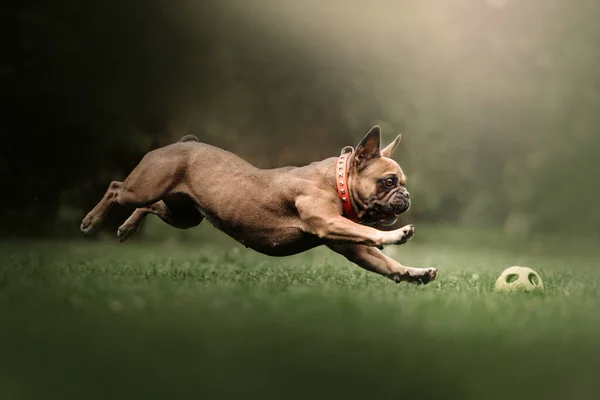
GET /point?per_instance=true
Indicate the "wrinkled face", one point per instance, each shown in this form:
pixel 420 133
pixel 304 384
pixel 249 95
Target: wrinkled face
pixel 380 186
pixel 377 182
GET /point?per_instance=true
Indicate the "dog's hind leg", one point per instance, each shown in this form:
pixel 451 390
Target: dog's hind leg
pixel 179 213
pixel 95 217
pixel 158 174
pixel 132 225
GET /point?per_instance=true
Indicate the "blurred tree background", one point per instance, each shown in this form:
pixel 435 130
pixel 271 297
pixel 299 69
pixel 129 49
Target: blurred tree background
pixel 498 100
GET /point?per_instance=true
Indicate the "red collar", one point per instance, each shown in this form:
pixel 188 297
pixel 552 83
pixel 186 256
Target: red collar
pixel 341 174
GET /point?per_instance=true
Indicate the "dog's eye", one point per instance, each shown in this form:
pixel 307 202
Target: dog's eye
pixel 389 182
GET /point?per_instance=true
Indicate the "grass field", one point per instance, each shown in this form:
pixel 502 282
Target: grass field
pixel 102 320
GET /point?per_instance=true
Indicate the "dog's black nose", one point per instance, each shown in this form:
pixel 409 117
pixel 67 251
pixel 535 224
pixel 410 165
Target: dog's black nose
pixel 406 194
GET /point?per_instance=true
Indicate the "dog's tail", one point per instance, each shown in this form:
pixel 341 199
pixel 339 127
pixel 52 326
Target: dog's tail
pixel 189 138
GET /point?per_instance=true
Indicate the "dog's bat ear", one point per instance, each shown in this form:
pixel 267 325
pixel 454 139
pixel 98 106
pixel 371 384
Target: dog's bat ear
pixel 369 147
pixel 389 149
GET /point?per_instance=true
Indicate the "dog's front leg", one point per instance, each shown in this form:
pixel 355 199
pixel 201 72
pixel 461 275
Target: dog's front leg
pixel 374 260
pixel 341 229
pixel 324 221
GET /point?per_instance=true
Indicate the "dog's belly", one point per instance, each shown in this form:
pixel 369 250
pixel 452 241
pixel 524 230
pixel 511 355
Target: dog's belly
pixel 278 240
pixel 275 241
pixel 280 245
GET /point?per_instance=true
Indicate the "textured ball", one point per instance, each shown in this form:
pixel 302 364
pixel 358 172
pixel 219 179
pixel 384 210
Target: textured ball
pixel 516 279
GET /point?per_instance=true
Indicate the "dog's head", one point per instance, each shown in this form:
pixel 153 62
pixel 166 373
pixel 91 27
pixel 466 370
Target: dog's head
pixel 377 182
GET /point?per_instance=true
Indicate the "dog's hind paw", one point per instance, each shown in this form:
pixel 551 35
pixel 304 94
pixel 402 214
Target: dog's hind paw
pixel 88 225
pixel 126 231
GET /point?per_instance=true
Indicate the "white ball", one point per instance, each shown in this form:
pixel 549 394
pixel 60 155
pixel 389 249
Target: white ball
pixel 519 279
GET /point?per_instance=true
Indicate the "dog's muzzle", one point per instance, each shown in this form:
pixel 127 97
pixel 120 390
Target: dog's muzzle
pixel 400 202
pixel 386 212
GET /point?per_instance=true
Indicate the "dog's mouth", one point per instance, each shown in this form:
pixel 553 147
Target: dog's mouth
pixel 381 212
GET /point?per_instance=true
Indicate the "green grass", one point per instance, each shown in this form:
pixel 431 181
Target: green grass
pixel 102 320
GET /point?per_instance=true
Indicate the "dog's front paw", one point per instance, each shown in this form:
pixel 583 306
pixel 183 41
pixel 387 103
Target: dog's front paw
pixel 405 234
pixel 415 275
pixel 429 275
